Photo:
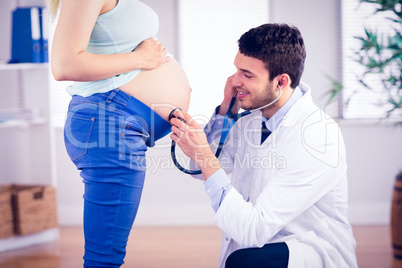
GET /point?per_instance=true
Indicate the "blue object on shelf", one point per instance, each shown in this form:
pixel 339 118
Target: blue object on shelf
pixel 29 36
pixel 44 35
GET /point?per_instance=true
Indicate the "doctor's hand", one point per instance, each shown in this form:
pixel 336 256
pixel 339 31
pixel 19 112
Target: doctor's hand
pixel 229 92
pixel 193 142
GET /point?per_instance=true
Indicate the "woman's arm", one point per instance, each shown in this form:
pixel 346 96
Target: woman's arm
pixel 70 61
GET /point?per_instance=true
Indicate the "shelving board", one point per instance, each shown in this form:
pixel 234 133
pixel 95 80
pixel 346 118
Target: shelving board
pixel 22 66
pixel 16 242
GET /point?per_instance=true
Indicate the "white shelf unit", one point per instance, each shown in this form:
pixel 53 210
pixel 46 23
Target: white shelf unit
pixel 26 138
pixel 27 151
pixel 22 118
pixel 23 66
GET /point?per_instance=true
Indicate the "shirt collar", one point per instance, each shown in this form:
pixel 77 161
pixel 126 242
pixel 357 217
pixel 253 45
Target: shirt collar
pixel 273 122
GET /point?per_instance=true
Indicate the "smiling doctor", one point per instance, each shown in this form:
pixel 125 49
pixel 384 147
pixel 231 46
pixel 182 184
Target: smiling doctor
pixel 279 188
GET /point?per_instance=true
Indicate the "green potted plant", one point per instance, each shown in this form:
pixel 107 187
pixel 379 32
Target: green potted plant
pixel 380 54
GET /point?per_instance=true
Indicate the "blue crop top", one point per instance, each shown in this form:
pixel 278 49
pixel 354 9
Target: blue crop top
pixel 119 30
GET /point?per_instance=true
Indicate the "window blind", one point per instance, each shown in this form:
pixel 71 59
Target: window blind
pixel 358 102
pixel 208 34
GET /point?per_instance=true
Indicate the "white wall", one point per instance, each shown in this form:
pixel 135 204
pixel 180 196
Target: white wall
pixel 170 197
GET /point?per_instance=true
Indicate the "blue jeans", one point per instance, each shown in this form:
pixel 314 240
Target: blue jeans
pixel 106 136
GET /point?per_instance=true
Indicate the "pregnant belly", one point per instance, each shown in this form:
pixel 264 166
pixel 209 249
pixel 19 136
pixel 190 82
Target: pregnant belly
pixel 162 89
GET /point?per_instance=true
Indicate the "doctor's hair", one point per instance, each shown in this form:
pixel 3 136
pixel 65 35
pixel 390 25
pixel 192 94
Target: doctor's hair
pixel 279 46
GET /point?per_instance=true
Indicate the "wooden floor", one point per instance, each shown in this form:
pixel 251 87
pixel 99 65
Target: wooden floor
pixel 178 247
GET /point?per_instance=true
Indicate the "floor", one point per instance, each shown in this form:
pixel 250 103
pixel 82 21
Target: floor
pixel 178 247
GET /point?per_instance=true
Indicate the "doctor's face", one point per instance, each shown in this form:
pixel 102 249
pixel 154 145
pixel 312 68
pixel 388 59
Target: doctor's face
pixel 252 83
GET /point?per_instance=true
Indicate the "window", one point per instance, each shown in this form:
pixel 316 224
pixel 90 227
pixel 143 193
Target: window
pixel 363 103
pixel 208 34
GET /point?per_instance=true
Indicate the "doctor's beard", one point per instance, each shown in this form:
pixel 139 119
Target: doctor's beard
pixel 267 96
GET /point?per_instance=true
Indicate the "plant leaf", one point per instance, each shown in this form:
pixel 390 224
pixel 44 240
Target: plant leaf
pixel 335 91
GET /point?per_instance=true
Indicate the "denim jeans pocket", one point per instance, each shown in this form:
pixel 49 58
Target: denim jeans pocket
pixel 134 137
pixel 77 134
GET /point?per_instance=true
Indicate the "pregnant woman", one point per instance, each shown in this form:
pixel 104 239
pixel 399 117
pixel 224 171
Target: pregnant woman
pixel 126 84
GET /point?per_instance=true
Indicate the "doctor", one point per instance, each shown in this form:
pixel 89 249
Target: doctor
pixel 279 188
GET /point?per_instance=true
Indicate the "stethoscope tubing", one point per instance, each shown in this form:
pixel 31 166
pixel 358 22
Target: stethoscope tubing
pixel 225 130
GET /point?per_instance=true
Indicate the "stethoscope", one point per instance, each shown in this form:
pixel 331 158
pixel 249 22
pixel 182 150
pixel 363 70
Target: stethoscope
pixel 225 129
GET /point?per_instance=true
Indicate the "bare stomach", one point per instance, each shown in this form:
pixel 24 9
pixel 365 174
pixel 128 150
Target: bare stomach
pixel 162 89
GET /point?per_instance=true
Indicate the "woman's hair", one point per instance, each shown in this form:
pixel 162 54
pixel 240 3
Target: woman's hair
pixel 53 7
pixel 279 46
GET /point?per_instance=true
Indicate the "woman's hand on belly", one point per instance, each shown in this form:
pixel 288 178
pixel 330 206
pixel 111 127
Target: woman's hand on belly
pixel 162 89
pixel 151 53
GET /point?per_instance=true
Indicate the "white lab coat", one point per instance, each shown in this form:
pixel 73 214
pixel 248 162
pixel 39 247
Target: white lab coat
pixel 293 188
